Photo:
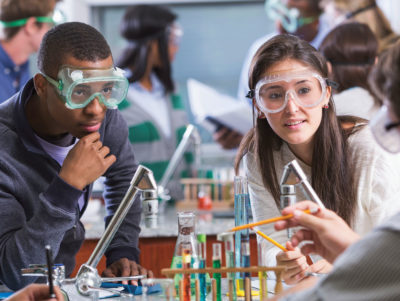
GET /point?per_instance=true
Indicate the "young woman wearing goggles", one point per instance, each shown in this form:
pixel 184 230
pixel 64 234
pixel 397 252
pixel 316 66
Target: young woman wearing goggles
pixel 296 119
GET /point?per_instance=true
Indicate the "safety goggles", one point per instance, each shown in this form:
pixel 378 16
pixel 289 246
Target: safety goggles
pixel 175 34
pixel 385 130
pixel 272 92
pixel 57 17
pixel 78 87
pixel 289 18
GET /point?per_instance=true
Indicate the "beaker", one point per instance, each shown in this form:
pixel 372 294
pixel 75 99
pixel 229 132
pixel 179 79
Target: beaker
pixel 186 242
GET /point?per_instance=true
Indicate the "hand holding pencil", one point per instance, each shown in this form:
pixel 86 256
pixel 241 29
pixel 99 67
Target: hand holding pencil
pixel 329 233
pixel 271 220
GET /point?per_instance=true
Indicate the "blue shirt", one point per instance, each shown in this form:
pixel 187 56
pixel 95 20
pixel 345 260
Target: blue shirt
pixel 12 77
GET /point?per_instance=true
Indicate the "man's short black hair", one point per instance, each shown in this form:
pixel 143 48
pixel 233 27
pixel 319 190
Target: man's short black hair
pixel 79 40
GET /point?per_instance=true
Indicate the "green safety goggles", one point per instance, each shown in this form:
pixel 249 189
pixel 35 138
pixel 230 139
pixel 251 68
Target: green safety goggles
pixel 288 17
pixel 56 17
pixel 78 87
pixel 22 22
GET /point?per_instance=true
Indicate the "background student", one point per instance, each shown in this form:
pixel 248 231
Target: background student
pixel 362 11
pixel 24 22
pixel 351 51
pixel 154 111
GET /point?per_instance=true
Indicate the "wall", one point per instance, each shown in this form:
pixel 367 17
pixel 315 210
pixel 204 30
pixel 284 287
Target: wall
pixel 216 38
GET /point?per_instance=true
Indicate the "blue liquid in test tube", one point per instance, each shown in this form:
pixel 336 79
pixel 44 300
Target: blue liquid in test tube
pixel 242 212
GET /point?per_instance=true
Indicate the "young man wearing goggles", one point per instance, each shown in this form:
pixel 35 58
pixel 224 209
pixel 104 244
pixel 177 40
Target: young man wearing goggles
pixel 23 23
pixel 60 133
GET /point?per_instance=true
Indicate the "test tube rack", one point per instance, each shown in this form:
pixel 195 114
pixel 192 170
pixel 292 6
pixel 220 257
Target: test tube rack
pixel 220 192
pixel 170 273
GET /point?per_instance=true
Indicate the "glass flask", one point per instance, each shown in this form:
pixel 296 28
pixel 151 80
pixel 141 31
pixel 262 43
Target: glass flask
pixel 186 245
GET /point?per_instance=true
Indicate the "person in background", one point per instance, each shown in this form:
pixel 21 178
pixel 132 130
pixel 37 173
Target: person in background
pixel 367 268
pixel 36 292
pixel 302 18
pixel 60 133
pixel 154 112
pixel 351 51
pixel 305 21
pixel 296 119
pixel 362 11
pixel 24 22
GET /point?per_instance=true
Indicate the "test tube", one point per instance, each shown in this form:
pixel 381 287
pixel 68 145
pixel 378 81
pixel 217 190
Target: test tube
pixel 227 238
pixel 186 259
pixel 242 212
pixel 262 276
pixel 201 242
pixel 245 249
pixel 217 258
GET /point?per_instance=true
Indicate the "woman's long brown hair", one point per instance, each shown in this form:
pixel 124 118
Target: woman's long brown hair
pixel 332 171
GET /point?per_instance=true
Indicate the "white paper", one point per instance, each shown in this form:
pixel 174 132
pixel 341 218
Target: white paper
pixel 205 102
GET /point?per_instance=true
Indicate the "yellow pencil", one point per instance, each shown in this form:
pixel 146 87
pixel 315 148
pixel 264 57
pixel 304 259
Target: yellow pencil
pixel 270 240
pixel 271 220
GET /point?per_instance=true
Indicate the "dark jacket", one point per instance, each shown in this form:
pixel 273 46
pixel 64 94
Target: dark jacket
pixel 38 208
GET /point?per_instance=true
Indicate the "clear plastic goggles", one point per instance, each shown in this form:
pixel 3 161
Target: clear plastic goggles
pixel 78 87
pixel 307 88
pixel 289 18
pixel 385 131
pixel 175 33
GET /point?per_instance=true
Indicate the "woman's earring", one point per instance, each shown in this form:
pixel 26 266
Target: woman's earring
pixel 326 106
pixel 261 115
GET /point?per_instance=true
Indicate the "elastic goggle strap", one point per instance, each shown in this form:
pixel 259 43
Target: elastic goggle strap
pixel 360 10
pixel 58 84
pixel 305 21
pixel 22 22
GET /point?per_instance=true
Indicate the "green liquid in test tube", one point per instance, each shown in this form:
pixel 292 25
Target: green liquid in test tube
pixel 217 258
pixel 262 276
pixel 201 243
pixel 227 238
